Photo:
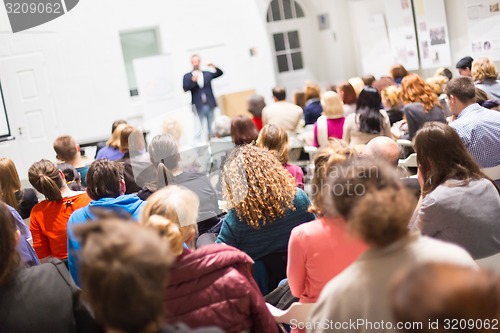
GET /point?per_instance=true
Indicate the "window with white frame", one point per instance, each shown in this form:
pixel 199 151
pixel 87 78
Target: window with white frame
pixel 284 10
pixel 287 50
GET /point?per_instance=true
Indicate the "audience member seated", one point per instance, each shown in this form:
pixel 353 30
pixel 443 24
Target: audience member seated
pixel 124 268
pixel 420 104
pixel 49 218
pixel 243 130
pixel 331 123
pixel 445 72
pixel 478 127
pixel 42 298
pixel 103 144
pixel 369 196
pixel 331 87
pixel 485 74
pixel 398 72
pixel 312 108
pixel 112 149
pixel 71 176
pixel 22 200
pixel 368 79
pixel 348 95
pixel 255 105
pixel 69 152
pixel 440 295
pixel 275 139
pixel 299 98
pixel 459 204
pixel 464 66
pixel 136 163
pixel 282 113
pixel 393 105
pixel 383 82
pixel 321 249
pixel 24 248
pixel 368 121
pixel 486 101
pixel 209 286
pixel 106 188
pixel 265 205
pixel 437 84
pixel 222 129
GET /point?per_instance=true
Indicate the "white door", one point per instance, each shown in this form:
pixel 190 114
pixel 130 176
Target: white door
pixel 29 108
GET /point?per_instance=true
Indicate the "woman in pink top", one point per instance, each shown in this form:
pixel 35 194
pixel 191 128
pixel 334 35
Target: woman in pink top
pixel 331 123
pixel 275 138
pixel 321 249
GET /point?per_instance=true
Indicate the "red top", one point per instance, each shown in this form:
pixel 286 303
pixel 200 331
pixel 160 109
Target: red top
pixel 258 123
pixel 49 225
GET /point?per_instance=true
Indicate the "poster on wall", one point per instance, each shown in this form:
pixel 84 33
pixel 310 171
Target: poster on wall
pixel 400 25
pixel 4 121
pixel 432 32
pixel 483 18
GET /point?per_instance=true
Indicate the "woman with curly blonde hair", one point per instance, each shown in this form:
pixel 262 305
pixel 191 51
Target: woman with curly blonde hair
pixel 485 74
pixel 266 206
pixel 421 104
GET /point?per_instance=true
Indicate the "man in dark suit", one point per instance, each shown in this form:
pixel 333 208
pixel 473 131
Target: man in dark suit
pixel 200 85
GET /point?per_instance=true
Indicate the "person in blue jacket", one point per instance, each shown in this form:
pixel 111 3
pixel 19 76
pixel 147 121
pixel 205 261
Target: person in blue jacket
pixel 106 187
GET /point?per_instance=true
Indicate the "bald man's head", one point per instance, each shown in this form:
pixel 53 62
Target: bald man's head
pixel 385 148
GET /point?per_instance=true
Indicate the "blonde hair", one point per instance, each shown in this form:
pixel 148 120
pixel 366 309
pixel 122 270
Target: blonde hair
pixel 257 186
pixel 437 83
pixel 9 182
pixel 312 90
pixel 392 94
pixel 172 211
pixel 173 127
pixel 114 141
pixel 274 138
pixel 332 105
pixel 357 83
pixel 484 69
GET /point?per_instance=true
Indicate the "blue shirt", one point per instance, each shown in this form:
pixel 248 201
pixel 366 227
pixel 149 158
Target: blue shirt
pixel 110 153
pixel 270 238
pixel 479 129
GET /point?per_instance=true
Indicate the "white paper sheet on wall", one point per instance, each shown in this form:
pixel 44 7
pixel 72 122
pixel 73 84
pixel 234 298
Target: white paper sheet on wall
pixel 4 125
pixel 483 19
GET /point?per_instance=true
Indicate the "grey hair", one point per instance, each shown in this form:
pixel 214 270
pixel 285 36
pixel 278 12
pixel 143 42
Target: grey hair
pixel 222 126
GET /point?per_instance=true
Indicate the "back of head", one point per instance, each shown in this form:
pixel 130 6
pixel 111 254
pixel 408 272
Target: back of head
pixel 347 93
pixel 312 90
pixel 173 127
pixel 117 123
pixel 367 193
pixel 383 83
pixel 299 98
pixel 357 83
pixel 131 139
pixel 398 71
pixel 44 176
pixel 8 251
pixel 368 108
pixel 484 69
pixel 71 175
pixel 114 141
pixel 443 71
pixel 163 149
pixel 414 89
pixel 274 138
pixel 255 105
pixel 280 93
pixel 438 292
pixel 9 182
pixel 122 265
pixel 462 88
pixel 104 179
pixel 222 126
pixel 437 83
pixel 442 155
pixel 368 79
pixel 243 130
pixel 392 94
pixel 332 105
pixel 465 63
pixel 383 148
pixel 66 148
pixel 172 212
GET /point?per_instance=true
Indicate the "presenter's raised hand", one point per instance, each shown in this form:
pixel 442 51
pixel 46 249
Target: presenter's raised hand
pixel 211 64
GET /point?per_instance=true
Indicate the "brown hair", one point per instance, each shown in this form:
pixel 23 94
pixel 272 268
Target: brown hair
pixel 484 69
pixel 383 83
pixel 121 265
pixel 414 89
pixel 45 177
pixel 299 98
pixel 312 90
pixel 481 96
pixel 103 179
pixel 114 141
pixel 274 138
pixel 348 94
pixel 255 104
pixel 131 139
pixel 368 79
pixel 367 193
pixel 398 71
pixel 280 93
pixel 441 156
pixel 333 154
pixel 66 148
pixel 462 88
pixel 9 182
pixel 117 123
pixel 257 185
pixel 435 292
pixel 243 130
pixel 8 251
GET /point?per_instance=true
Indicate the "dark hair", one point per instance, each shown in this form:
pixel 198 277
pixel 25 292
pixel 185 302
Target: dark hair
pixel 441 156
pixel 103 179
pixel 280 93
pixel 121 265
pixel 465 63
pixel 8 250
pixel 331 87
pixel 72 176
pixel 46 179
pixel 255 105
pixel 383 83
pixel 243 130
pixel 368 108
pixel 398 71
pixel 164 154
pixel 131 139
pixel 116 123
pixel 348 93
pixel 368 79
pixel 462 88
pixel 446 73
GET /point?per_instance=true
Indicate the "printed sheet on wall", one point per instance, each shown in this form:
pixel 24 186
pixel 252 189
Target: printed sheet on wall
pixel 483 19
